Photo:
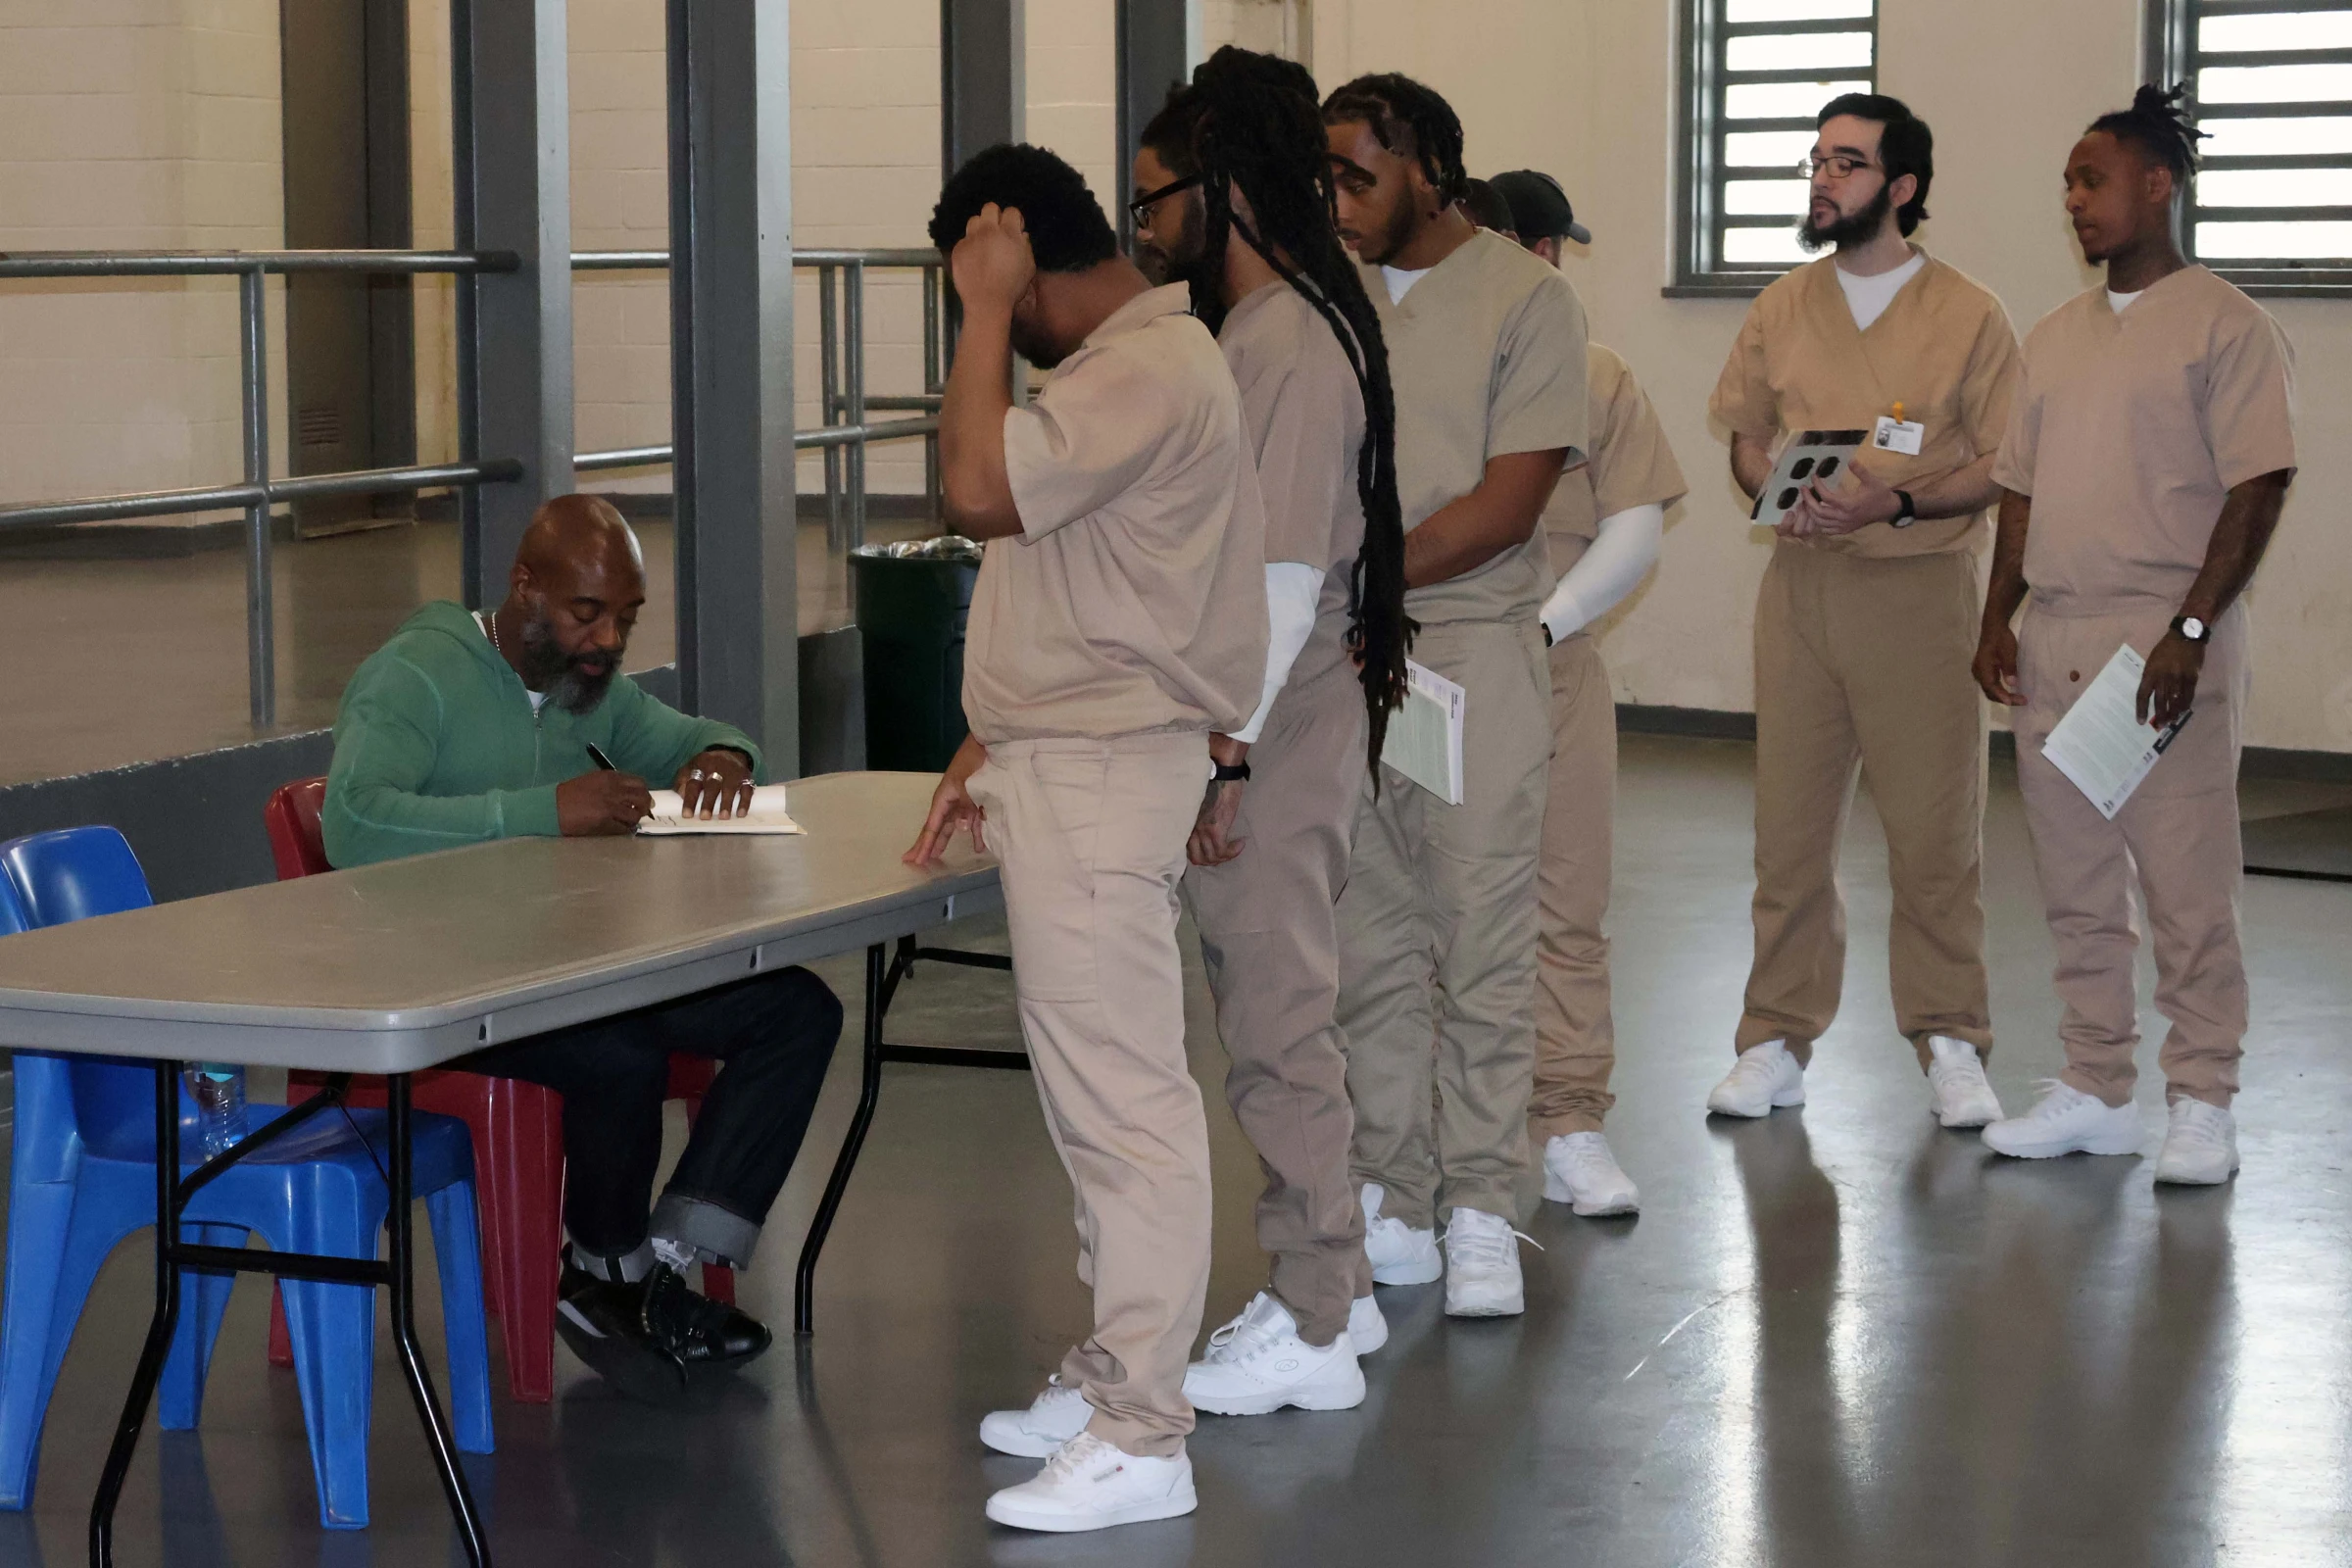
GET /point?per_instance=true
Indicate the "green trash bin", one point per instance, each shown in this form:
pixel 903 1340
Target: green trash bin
pixel 913 599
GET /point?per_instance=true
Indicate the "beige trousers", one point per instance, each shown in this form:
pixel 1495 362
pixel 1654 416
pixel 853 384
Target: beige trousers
pixel 1438 944
pixel 1090 837
pixel 1862 670
pixel 1271 941
pixel 2178 831
pixel 1575 1043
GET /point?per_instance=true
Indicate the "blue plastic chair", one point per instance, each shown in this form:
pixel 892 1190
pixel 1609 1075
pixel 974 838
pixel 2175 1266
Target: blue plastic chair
pixel 82 1178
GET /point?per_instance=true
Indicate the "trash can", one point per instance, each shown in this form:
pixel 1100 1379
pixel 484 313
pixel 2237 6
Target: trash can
pixel 913 599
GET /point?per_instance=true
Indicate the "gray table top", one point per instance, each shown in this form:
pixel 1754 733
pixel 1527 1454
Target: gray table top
pixel 398 966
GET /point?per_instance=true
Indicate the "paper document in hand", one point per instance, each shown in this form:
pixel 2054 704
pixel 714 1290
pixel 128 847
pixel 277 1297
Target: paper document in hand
pixel 2101 744
pixel 1425 736
pixel 765 815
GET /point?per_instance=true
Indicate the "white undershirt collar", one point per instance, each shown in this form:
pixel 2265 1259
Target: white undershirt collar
pixel 538 699
pixel 1401 280
pixel 1869 296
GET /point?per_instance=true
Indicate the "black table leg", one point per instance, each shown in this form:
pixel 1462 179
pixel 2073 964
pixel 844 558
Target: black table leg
pixel 172 1191
pixel 404 1330
pixel 882 977
pixel 160 1328
pixel 870 1089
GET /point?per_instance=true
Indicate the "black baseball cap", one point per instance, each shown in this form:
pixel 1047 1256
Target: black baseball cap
pixel 1539 209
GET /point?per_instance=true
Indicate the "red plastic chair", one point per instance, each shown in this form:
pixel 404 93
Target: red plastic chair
pixel 517 1133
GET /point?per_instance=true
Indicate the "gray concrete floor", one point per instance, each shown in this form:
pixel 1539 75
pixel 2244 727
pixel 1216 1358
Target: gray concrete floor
pixel 1839 1336
pixel 116 661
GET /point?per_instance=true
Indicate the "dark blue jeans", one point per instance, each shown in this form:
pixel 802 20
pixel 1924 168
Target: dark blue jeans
pixel 773 1033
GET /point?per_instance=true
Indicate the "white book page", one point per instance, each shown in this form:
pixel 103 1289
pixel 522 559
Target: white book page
pixel 2101 743
pixel 766 816
pixel 1425 736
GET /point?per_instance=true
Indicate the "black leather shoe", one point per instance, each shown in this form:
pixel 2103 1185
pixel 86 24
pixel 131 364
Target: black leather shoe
pixel 698 1331
pixel 603 1321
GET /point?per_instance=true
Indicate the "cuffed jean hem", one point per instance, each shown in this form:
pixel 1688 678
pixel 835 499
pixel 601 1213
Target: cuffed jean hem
pixel 711 1230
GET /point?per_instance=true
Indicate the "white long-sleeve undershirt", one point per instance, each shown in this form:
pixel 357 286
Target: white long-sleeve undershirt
pixel 1624 547
pixel 1291 590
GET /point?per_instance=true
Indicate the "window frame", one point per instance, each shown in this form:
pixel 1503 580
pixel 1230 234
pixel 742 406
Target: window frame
pixel 2169 53
pixel 1702 46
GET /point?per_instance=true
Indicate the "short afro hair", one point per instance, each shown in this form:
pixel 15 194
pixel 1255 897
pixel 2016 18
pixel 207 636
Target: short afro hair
pixel 1067 232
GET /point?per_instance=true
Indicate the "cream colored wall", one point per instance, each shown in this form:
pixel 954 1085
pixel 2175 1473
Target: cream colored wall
pixel 1584 88
pixel 131 124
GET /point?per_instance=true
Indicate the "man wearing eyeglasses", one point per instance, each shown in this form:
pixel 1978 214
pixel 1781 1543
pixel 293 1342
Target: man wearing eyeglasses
pixel 1866 619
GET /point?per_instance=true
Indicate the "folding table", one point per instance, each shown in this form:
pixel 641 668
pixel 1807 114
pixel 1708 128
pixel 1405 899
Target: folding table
pixel 398 967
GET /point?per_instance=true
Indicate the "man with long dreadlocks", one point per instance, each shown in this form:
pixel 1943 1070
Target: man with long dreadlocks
pixel 2146 461
pixel 1232 197
pixel 1438 925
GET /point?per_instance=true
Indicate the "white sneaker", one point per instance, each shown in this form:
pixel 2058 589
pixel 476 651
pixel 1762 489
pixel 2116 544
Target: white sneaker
pixel 1580 1171
pixel 1763 1080
pixel 2200 1145
pixel 1053 1419
pixel 1956 1076
pixel 1399 1253
pixel 1089 1485
pixel 1481 1267
pixel 1258 1364
pixel 2066 1121
pixel 1367 1325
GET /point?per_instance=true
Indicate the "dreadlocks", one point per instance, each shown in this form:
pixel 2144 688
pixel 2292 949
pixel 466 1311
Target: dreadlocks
pixel 1411 121
pixel 1247 122
pixel 2158 124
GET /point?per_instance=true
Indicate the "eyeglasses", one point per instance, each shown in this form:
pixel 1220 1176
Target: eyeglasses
pixel 1140 209
pixel 1838 166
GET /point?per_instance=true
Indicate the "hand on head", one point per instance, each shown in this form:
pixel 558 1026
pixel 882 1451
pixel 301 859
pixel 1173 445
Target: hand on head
pixel 993 264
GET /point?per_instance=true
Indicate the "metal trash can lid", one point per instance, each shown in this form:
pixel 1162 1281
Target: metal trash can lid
pixel 947 547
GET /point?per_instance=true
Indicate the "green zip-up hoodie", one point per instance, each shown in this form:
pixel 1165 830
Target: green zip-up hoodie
pixel 436 744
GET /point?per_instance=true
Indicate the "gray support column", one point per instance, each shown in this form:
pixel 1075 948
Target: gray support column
pixel 983 77
pixel 1154 45
pixel 512 135
pixel 730 278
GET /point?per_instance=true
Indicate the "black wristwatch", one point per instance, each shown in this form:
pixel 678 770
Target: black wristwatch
pixel 2191 629
pixel 1229 773
pixel 1908 512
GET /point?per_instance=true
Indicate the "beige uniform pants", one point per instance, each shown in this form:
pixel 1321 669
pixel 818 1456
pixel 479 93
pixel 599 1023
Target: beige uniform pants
pixel 2179 830
pixel 1090 837
pixel 1862 669
pixel 1575 1043
pixel 1438 944
pixel 1271 941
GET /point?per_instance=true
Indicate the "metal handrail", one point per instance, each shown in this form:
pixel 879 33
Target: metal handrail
pixel 258 492
pixel 842 400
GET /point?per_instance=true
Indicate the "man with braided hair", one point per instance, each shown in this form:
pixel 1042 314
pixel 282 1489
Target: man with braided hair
pixel 1438 923
pixel 2147 458
pixel 1232 197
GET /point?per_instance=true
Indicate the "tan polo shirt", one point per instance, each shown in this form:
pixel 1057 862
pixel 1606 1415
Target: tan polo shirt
pixel 1487 357
pixel 1303 413
pixel 2131 431
pixel 1631 465
pixel 1943 349
pixel 1134 599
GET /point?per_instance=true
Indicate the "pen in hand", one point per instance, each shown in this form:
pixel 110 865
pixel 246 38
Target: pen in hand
pixel 597 755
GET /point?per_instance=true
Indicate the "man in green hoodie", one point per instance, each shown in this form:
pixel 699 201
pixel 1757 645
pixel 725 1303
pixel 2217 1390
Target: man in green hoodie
pixel 467 727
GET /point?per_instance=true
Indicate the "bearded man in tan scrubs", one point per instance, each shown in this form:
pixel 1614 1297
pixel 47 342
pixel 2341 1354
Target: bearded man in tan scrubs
pixel 1232 198
pixel 2144 472
pixel 1866 619
pixel 1437 920
pixel 1119 618
pixel 1604 527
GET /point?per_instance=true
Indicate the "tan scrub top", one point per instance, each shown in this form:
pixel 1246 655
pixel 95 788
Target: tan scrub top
pixel 1487 357
pixel 1631 465
pixel 1944 348
pixel 2131 431
pixel 1134 599
pixel 1303 413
